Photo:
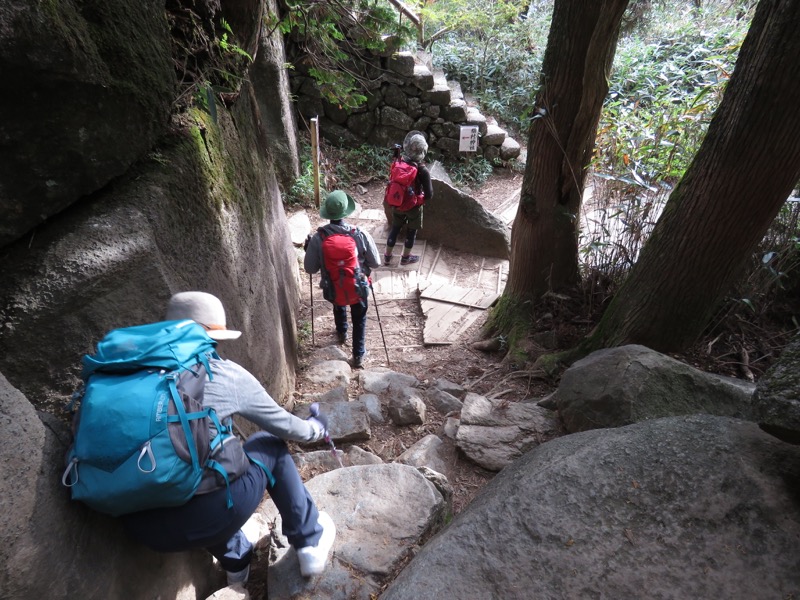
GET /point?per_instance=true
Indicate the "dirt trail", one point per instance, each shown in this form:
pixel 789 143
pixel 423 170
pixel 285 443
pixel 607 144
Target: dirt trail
pixel 402 322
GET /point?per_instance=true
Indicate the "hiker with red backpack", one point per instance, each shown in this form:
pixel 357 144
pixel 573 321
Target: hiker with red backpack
pixel 408 189
pixel 345 255
pixel 217 518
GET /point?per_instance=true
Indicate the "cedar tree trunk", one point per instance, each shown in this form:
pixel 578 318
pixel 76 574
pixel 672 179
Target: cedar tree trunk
pixel 544 240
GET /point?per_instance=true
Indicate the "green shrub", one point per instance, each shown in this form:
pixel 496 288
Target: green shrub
pixel 668 78
pixel 468 172
pixel 664 90
pixel 301 193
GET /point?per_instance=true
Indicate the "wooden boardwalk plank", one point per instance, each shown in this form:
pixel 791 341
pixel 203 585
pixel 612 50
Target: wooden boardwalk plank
pixel 470 297
pixel 440 318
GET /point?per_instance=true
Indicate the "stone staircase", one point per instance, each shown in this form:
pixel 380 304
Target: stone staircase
pixel 494 141
pixel 407 93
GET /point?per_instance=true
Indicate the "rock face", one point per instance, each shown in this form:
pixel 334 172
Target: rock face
pixel 276 111
pixel 134 213
pixel 114 261
pixel 683 507
pixel 86 104
pixel 628 384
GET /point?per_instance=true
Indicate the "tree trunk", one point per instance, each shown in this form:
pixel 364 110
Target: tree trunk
pixel 744 171
pixel 580 50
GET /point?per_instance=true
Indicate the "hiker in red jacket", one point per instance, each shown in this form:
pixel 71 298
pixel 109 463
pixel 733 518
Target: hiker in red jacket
pixel 345 255
pixel 414 149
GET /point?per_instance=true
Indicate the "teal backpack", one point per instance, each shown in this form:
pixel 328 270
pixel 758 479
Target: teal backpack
pixel 142 437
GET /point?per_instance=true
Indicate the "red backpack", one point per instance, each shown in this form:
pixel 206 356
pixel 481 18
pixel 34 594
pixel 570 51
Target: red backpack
pixel 343 281
pixel 400 191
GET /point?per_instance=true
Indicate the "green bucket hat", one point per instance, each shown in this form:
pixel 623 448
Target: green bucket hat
pixel 337 206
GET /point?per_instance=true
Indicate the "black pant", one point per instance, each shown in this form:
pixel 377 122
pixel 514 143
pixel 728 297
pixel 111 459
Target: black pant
pixel 358 313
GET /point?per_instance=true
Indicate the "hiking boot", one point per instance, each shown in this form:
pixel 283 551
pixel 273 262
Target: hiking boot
pixel 408 260
pixel 240 577
pixel 314 559
pixel 387 260
pixel 358 361
pixel 341 337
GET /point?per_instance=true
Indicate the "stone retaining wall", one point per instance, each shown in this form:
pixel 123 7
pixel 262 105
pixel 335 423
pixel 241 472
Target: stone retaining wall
pixel 407 93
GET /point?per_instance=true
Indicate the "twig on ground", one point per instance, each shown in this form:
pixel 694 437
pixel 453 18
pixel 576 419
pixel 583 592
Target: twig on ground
pixel 482 377
pixel 491 396
pixel 531 374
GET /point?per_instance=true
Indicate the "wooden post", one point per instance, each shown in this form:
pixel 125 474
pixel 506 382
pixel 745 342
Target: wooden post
pixel 315 158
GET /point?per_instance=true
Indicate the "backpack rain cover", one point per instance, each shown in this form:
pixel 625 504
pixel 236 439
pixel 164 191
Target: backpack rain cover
pixel 343 282
pixel 400 191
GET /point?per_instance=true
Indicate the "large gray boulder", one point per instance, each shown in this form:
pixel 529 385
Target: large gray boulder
pixel 51 547
pixel 685 507
pixel 628 384
pixel 776 402
pixel 87 90
pixel 455 219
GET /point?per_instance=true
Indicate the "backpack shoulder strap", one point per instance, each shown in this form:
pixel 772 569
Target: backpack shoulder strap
pixel 358 238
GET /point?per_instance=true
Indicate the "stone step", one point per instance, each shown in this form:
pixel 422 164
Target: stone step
pixel 402 63
pixel 423 78
pixel 494 136
pixel 455 91
pixel 440 93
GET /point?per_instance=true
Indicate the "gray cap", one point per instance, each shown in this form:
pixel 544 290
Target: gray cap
pixel 414 146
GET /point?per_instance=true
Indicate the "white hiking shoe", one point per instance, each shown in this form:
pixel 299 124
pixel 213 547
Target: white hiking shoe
pixel 314 559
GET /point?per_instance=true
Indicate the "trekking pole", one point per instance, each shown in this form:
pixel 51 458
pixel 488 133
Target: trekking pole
pixel 311 290
pixel 380 326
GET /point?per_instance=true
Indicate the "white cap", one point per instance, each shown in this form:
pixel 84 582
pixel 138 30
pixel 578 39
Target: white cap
pixel 205 309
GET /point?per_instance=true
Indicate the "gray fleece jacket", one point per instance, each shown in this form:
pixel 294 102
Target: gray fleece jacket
pixel 234 391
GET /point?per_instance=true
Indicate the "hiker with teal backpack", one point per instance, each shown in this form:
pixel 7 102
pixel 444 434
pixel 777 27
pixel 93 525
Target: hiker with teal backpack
pixel 346 256
pixel 218 482
pixel 408 189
